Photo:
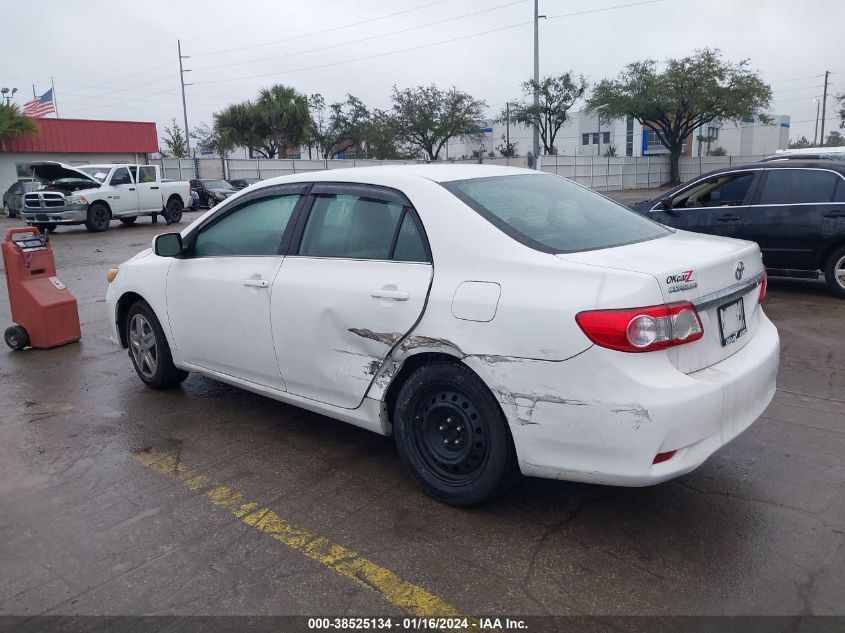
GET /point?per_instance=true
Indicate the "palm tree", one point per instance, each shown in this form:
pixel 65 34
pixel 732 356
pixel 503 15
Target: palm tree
pixel 238 126
pixel 285 117
pixel 13 124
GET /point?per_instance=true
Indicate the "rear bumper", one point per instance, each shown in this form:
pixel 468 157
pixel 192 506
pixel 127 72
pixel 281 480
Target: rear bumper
pixel 609 413
pixel 71 214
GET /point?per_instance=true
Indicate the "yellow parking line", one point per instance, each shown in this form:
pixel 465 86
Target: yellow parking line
pixel 342 560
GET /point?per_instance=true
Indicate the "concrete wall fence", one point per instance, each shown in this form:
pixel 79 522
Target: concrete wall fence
pixel 602 174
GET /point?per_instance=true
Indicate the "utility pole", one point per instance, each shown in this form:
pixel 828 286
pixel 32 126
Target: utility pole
pixel 536 81
pixel 182 72
pixel 508 126
pixel 816 133
pixel 824 105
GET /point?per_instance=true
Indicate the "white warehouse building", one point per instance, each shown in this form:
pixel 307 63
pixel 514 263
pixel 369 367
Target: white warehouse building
pixel 584 135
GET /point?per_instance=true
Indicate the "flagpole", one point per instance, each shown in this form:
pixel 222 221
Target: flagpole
pixel 55 102
pixel 34 96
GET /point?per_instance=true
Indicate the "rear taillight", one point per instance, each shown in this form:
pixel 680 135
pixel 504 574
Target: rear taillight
pixel 642 329
pixel 763 286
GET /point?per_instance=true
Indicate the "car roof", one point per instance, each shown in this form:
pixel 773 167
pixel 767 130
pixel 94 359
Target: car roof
pixel 393 175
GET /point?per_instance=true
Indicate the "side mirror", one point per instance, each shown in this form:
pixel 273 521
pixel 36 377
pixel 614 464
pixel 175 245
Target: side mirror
pixel 167 244
pixel 666 204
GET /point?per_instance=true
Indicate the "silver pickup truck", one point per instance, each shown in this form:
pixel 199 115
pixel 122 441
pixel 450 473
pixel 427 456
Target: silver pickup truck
pixel 94 195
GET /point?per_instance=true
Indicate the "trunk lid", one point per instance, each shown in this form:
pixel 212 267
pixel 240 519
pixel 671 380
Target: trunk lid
pixel 711 272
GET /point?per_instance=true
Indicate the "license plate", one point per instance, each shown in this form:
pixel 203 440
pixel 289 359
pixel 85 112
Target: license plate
pixel 732 321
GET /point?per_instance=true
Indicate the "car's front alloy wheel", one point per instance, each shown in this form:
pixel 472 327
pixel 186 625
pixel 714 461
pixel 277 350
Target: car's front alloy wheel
pixel 149 350
pixel 452 436
pixel 834 272
pixel 210 202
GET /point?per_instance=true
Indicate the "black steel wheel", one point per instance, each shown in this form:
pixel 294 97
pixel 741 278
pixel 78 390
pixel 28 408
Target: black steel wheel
pixel 174 210
pixel 16 337
pixel 452 436
pixel 99 218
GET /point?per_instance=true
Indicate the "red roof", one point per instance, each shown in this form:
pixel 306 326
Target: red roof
pixel 86 136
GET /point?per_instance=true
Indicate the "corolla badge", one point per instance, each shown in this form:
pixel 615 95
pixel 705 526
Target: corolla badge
pixel 739 271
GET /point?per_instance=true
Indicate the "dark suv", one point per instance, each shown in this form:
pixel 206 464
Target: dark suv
pixel 795 211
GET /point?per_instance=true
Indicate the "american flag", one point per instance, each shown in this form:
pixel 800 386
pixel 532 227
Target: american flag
pixel 40 106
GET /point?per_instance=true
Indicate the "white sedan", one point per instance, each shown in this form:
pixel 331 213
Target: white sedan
pixel 494 320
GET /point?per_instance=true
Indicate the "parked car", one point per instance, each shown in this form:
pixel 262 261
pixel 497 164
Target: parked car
pixel 493 319
pixel 241 183
pixel 794 209
pixel 13 197
pixel 816 155
pixel 94 195
pixel 212 191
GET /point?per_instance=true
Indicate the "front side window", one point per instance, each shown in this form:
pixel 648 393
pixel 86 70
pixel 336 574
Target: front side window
pixel 794 186
pixel 121 177
pixel 148 174
pixel 255 228
pixel 727 190
pixel 552 214
pixel 350 226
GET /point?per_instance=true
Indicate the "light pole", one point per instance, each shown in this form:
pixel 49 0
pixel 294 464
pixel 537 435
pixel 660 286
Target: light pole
pixel 816 133
pixel 8 94
pixel 536 80
pixel 182 72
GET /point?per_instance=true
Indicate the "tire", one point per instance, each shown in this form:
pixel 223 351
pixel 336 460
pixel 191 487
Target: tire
pixel 16 337
pixel 210 202
pixel 149 350
pixel 834 272
pixel 174 210
pixel 99 218
pixel 452 436
pixel 128 221
pixel 8 212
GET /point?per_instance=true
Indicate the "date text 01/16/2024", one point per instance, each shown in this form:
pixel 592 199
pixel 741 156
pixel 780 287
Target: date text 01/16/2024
pixel 416 624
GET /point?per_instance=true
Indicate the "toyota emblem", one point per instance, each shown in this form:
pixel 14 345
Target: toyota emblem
pixel 740 270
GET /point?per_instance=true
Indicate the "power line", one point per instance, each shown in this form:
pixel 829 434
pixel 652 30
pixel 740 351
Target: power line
pixel 364 39
pixel 331 30
pixel 420 46
pixel 111 81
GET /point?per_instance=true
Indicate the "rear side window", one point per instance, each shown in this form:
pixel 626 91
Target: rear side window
pixel 350 226
pixel 148 174
pixel 552 214
pixel 255 228
pixel 794 186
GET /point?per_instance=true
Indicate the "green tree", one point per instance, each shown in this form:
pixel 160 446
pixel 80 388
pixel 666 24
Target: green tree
pixel 834 139
pixel 426 117
pixel 841 99
pixel 688 93
pixel 175 144
pixel 340 130
pixel 800 143
pixel 380 138
pixel 207 139
pixel 557 95
pixel 239 125
pixel 610 152
pixel 283 119
pixel 506 149
pixel 718 151
pixel 13 124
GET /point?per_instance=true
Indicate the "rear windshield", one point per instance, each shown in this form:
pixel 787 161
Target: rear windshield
pixel 552 214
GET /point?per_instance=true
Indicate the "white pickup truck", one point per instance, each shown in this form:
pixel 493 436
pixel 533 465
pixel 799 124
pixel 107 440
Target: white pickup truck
pixel 94 195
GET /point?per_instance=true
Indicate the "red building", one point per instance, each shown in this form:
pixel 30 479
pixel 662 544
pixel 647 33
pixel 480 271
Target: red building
pixel 77 142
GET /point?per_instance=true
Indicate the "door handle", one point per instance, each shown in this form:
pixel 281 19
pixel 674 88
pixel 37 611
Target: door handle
pixel 728 218
pixel 257 283
pixel 131 188
pixel 396 295
pixel 834 214
pixel 153 187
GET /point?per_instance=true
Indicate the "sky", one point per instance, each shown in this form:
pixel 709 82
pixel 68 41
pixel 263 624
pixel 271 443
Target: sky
pixel 118 60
